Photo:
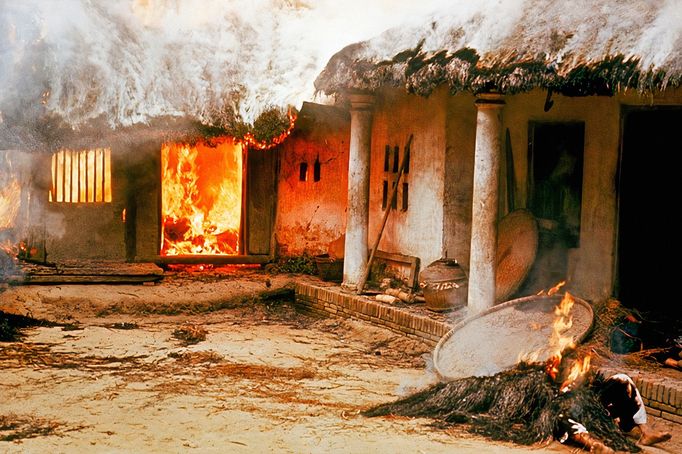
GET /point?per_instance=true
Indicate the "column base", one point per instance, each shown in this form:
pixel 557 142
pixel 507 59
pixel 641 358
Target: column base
pixel 349 287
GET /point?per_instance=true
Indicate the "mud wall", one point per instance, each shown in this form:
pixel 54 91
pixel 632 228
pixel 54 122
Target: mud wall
pixel 310 214
pixel 591 265
pixel 459 177
pixel 127 228
pixel 418 229
pixel 441 173
pixel 84 230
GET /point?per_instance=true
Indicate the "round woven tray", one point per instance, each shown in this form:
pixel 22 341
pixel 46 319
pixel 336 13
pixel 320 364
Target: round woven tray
pixel 495 339
pixel 517 245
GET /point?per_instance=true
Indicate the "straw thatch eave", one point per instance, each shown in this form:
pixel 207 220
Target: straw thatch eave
pixel 46 132
pixel 581 48
pixel 421 73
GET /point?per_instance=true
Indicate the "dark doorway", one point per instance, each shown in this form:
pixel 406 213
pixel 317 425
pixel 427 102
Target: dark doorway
pixel 650 198
pixel 555 180
pixel 555 159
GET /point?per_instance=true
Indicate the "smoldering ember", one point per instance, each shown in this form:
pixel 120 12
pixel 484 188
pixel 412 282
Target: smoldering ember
pixel 320 226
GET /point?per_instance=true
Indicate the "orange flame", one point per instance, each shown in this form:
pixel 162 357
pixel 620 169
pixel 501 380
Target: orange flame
pixel 201 197
pixel 10 200
pixel 251 142
pixel 558 342
pixel 578 369
pixel 8 248
pixel 556 288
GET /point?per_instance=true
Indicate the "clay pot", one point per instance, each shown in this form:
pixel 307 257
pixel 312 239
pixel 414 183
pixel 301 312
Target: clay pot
pixel 444 284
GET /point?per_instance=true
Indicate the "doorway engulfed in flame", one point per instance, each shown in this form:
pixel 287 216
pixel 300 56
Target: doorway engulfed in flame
pixel 201 198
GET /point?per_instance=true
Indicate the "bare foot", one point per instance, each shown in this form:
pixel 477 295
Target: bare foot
pixel 591 443
pixel 653 437
pixel 648 436
pixel 600 448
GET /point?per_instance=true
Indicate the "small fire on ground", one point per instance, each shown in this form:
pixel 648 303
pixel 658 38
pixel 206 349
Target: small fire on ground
pixel 559 342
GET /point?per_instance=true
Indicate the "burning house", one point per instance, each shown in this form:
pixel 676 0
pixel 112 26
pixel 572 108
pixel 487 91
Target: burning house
pixel 105 162
pixel 521 106
pixel 204 197
pixel 154 131
pixel 558 113
pixel 168 132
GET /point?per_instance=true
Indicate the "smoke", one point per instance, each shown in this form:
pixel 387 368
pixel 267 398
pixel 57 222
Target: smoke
pixel 130 61
pixel 97 73
pixel 127 62
pixel 410 385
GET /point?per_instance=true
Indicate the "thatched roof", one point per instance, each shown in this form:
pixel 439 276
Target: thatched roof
pixel 576 47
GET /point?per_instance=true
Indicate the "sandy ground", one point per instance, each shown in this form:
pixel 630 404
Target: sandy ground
pixel 264 379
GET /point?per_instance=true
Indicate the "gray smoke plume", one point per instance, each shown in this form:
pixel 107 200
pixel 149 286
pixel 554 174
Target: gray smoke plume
pixel 127 62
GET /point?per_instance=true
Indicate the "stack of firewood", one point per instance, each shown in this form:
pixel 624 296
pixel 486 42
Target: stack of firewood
pixel 394 295
pixel 675 362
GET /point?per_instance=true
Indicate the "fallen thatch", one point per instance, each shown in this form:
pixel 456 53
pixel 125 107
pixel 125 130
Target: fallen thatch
pixel 190 334
pixel 47 133
pixel 14 427
pixel 12 325
pixel 597 48
pixel 648 347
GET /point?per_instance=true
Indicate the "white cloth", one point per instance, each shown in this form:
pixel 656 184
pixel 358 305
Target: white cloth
pixel 640 416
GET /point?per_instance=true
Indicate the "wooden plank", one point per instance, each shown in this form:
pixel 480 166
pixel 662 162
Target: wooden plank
pixel 108 268
pixel 45 279
pixel 90 267
pixel 408 260
pixel 213 259
pixel 260 200
pixel 84 272
pixel 394 257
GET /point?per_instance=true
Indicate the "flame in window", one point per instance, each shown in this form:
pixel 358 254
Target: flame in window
pixel 81 176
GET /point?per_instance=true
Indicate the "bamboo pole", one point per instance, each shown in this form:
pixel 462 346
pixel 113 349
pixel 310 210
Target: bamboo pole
pixel 394 193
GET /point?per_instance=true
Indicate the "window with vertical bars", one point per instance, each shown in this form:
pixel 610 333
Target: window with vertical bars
pixel 81 176
pixel 392 163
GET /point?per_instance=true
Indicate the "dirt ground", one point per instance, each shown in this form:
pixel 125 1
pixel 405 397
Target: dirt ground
pixel 213 371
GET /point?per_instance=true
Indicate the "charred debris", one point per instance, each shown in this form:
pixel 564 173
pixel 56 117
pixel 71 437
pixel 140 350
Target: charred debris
pixel 11 326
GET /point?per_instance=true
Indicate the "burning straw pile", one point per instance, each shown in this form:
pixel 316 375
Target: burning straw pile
pixel 522 405
pixel 525 405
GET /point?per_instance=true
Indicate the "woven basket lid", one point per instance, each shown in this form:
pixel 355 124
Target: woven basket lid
pixel 517 245
pixel 495 339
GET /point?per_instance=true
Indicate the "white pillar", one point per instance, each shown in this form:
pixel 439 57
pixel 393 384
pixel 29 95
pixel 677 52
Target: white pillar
pixel 482 266
pixel 357 213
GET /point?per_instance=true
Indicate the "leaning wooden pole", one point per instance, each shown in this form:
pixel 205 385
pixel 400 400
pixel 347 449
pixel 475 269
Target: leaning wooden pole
pixel 394 193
